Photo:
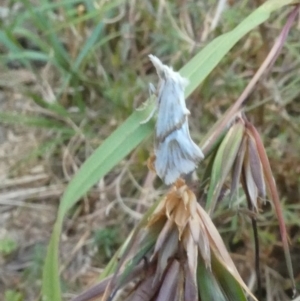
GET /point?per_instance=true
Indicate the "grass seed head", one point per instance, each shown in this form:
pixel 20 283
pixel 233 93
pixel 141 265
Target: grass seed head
pixel 186 256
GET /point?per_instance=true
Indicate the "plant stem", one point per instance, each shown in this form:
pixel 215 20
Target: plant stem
pixel 266 65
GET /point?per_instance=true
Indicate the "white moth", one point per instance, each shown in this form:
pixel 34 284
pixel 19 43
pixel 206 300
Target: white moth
pixel 175 151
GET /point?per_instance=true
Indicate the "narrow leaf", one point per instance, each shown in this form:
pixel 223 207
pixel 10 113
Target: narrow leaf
pixel 223 163
pixel 208 287
pixel 112 151
pixel 256 168
pixel 231 287
pixel 88 45
pixel 219 248
pixel 51 280
pixel 250 185
pixel 237 169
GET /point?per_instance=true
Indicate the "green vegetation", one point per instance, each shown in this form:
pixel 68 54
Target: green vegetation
pixel 74 72
pixel 7 246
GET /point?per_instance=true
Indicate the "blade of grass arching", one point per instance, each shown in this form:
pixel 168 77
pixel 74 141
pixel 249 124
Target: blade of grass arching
pixel 275 201
pixel 95 167
pixel 75 19
pixel 111 152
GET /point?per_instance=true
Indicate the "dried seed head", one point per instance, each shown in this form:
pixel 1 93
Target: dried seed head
pixel 238 155
pixel 185 257
pixel 242 152
pixel 253 176
pixel 189 235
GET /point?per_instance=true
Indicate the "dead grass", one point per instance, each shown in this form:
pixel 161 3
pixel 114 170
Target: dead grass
pixel 38 159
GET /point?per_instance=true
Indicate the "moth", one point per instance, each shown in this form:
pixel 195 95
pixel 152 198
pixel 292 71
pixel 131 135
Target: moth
pixel 175 151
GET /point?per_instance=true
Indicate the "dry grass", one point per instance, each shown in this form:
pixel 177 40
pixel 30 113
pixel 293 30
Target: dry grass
pixel 40 149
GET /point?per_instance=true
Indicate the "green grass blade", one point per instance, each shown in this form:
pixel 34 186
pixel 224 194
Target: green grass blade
pixel 87 47
pixel 112 151
pixel 89 44
pixel 51 282
pixel 12 46
pixel 208 287
pixel 43 23
pixel 26 55
pixel 34 38
pixel 43 7
pixel 223 162
pixel 7 42
pixel 230 286
pixel 131 133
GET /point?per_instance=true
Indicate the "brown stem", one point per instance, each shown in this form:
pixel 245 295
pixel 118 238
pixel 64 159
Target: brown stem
pixel 276 201
pixel 266 65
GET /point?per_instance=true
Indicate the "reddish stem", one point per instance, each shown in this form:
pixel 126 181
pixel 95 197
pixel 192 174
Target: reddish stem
pixel 276 201
pixel 267 64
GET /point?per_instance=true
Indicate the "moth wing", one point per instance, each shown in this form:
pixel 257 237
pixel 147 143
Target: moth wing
pixel 177 155
pixel 188 146
pixel 171 102
pixel 165 163
pixel 171 107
